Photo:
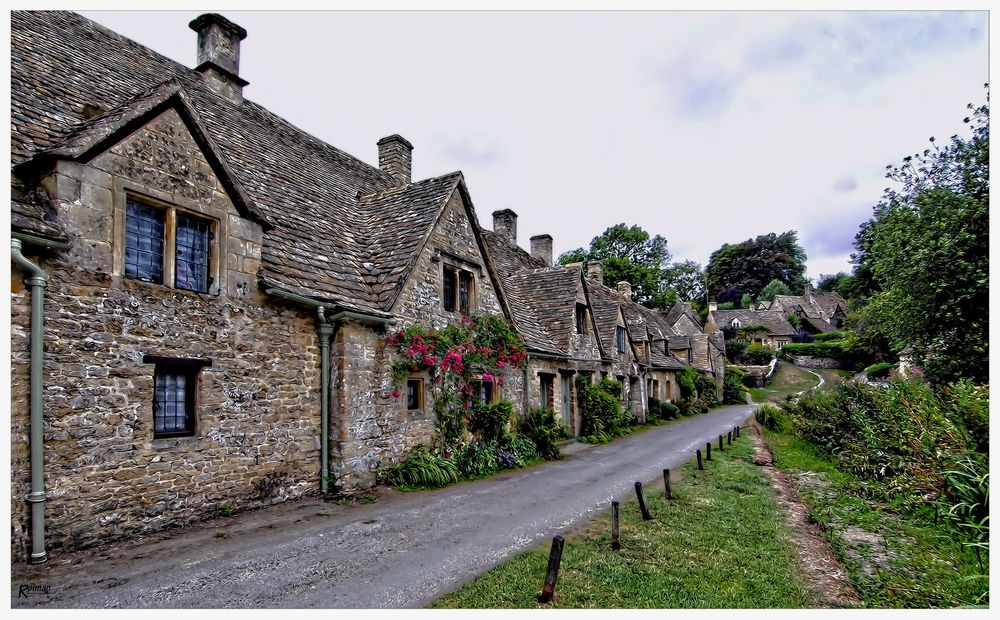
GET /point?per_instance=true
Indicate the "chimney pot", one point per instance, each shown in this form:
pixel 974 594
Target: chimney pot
pixel 595 271
pixel 541 248
pixel 713 306
pixel 395 156
pixel 219 53
pixel 625 289
pixel 505 225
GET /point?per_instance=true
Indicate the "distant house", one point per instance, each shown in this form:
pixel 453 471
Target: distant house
pixel 766 327
pixel 818 311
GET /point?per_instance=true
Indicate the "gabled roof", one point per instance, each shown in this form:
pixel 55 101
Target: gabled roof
pixel 335 234
pixel 773 321
pixel 548 295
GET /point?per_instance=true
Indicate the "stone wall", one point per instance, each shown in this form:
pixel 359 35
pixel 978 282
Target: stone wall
pixel 806 361
pixel 256 437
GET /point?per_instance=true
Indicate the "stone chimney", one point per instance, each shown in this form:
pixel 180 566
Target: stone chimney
pixel 395 156
pixel 219 54
pixel 541 248
pixel 807 292
pixel 713 306
pixel 625 289
pixel 595 271
pixel 505 225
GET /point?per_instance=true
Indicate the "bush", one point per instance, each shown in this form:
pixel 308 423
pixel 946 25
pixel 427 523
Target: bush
pixel 686 381
pixel 773 417
pixel 600 412
pixel 525 451
pixel 969 404
pixel 544 431
pixel 735 348
pixel 707 391
pixel 757 355
pixel 422 468
pixel 489 421
pixel 815 349
pixel 968 500
pixel 828 336
pixel 661 410
pixel 878 370
pixel 733 390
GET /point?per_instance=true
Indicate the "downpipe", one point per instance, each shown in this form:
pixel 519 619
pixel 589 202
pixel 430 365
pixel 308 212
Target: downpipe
pixel 325 331
pixel 37 280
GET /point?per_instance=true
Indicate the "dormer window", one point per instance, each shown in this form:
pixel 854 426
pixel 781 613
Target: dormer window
pixel 736 324
pixel 165 245
pixel 458 290
pixel 581 319
pixel 620 338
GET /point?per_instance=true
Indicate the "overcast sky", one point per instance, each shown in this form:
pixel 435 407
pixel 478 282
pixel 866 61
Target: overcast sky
pixel 704 127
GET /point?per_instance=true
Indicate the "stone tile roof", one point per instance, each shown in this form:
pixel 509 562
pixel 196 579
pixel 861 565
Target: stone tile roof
pixel 327 241
pixel 681 308
pixel 548 295
pixel 774 321
pixel 605 306
pixel 31 213
pixel 817 307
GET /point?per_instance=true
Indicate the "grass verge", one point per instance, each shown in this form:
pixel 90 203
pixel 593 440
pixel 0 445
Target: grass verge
pixel 787 380
pixel 719 544
pixel 896 557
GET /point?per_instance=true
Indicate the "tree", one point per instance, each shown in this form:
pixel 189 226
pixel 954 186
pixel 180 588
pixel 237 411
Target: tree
pixel 747 267
pixel 927 252
pixel 746 302
pixel 629 254
pixel 773 289
pixel 687 279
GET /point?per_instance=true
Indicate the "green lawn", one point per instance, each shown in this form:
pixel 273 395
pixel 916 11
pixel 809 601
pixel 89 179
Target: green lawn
pixel 896 556
pixel 787 380
pixel 719 544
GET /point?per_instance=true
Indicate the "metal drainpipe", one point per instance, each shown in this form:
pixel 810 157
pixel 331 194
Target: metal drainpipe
pixel 325 330
pixel 37 281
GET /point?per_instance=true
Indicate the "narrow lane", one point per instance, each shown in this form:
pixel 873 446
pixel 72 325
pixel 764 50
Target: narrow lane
pixel 402 551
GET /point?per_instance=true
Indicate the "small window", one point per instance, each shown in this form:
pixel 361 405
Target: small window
pixel 483 392
pixel 546 392
pixel 581 319
pixel 167 246
pixel 414 394
pixel 620 338
pixel 175 386
pixel 458 290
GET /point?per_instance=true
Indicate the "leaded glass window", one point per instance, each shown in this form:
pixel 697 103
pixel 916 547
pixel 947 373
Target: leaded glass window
pixel 193 236
pixel 144 228
pixel 173 405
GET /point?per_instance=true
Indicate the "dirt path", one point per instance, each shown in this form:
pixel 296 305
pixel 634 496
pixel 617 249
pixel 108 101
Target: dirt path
pixel 823 574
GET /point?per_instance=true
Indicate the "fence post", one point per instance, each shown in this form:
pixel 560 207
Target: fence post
pixel 700 466
pixel 555 557
pixel 616 542
pixel 666 483
pixel 720 441
pixel 737 430
pixel 642 502
pixel 729 438
pixel 708 451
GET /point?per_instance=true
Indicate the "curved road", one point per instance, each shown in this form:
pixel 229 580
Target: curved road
pixel 403 551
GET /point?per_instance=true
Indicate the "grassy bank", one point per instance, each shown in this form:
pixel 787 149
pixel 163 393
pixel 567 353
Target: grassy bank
pixel 896 557
pixel 787 380
pixel 719 544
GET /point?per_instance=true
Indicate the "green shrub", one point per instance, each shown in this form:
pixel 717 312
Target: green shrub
pixel 815 349
pixel 600 412
pixel 686 381
pixel 478 459
pixel 757 355
pixel 735 348
pixel 969 404
pixel 878 370
pixel 773 417
pixel 733 390
pixel 707 391
pixel 525 451
pixel 489 421
pixel 542 428
pixel 828 336
pixel 661 409
pixel 611 387
pixel 967 495
pixel 422 468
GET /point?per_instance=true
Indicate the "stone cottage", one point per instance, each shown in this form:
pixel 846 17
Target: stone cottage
pixel 201 293
pixel 818 311
pixel 767 327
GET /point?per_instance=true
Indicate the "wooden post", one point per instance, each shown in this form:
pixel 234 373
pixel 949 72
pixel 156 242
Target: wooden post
pixel 737 430
pixel 666 483
pixel 555 557
pixel 616 542
pixel 720 442
pixel 729 438
pixel 708 451
pixel 642 502
pixel 700 466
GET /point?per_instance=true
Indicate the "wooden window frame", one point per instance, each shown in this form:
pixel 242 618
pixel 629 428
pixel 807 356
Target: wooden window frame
pixel 462 297
pixel 420 393
pixel 546 397
pixel 581 319
pixel 621 336
pixel 189 368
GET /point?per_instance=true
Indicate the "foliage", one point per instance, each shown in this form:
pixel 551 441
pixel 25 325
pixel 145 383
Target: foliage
pixel 706 388
pixel 746 301
pixel 970 403
pixel 661 409
pixel 735 348
pixel 773 288
pixel 489 421
pixel 481 348
pixel 878 370
pixel 542 428
pixel 726 305
pixel 601 411
pixel 828 336
pixel 751 265
pixel 968 501
pixel 757 355
pixel 422 468
pixel 794 320
pixel 687 279
pixel 733 390
pixel 841 283
pixel 686 381
pixel 773 417
pixel 924 256
pixel 629 254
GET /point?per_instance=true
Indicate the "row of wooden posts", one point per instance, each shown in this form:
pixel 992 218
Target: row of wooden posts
pixel 555 554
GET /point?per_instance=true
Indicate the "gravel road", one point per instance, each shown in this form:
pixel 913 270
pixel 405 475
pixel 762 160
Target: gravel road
pixel 404 550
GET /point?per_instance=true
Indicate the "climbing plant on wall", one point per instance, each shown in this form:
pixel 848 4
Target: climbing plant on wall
pixel 457 358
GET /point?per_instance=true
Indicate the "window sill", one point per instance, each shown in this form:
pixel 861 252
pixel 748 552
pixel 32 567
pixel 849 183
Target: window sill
pixel 134 283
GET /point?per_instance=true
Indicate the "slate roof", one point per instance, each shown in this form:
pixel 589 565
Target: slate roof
pixel 604 304
pixel 335 231
pixel 774 321
pixel 547 296
pixel 817 307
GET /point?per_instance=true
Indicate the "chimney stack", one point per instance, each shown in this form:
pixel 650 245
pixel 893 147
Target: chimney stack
pixel 807 292
pixel 505 225
pixel 713 306
pixel 625 289
pixel 541 248
pixel 595 271
pixel 395 156
pixel 219 54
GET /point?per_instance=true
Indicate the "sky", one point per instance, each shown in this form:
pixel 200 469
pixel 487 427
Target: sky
pixel 704 127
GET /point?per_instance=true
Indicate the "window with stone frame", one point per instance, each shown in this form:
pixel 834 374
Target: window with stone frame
pixel 458 290
pixel 414 394
pixel 484 392
pixel 166 245
pixel 175 395
pixel 620 338
pixel 581 318
pixel 546 391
